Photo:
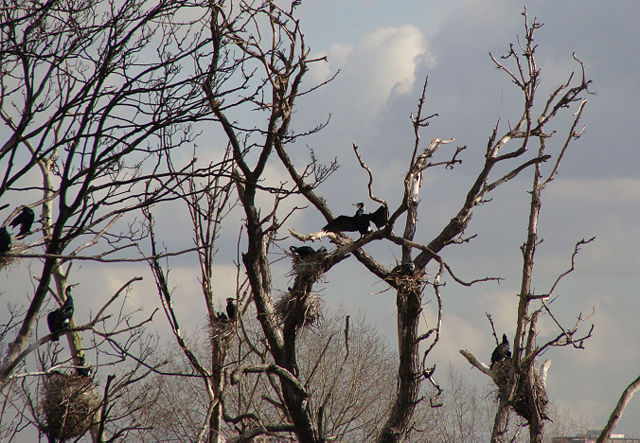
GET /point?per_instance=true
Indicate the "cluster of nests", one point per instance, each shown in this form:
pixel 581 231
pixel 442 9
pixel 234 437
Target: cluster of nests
pixel 69 406
pixel 307 268
pixel 299 303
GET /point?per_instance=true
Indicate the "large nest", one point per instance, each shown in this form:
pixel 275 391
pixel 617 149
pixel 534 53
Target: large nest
pixel 69 406
pixel 304 309
pixel 308 269
pixel 299 304
pixel 503 372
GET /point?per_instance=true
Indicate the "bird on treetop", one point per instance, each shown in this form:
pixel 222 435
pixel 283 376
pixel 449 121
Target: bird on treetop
pixel 501 351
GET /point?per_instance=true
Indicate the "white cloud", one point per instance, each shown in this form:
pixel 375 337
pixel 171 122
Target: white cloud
pixel 382 63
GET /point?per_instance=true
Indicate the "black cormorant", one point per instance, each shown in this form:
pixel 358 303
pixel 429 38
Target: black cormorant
pixel 379 217
pixel 306 251
pixel 358 222
pixel 404 268
pixel 5 240
pixel 85 371
pixel 59 319
pixel 25 220
pixel 222 316
pixel 501 351
pixel 231 308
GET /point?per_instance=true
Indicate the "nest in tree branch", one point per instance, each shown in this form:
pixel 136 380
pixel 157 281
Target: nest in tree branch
pixel 502 373
pixel 16 248
pixel 400 277
pixel 308 269
pixel 221 329
pixel 69 406
pixel 303 309
pixel 299 305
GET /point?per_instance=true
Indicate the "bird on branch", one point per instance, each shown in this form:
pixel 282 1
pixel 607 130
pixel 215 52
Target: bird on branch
pixel 59 319
pixel 501 351
pixel 358 222
pixel 5 240
pixel 231 308
pixel 25 220
pixel 306 251
pixel 408 268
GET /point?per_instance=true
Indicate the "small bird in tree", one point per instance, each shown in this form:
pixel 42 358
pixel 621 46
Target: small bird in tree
pixel 60 318
pixel 5 240
pixel 358 222
pixel 231 308
pixel 307 251
pixel 25 220
pixel 501 351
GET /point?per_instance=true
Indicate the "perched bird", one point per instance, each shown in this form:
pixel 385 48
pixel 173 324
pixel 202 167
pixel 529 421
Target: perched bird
pixel 306 251
pixel 60 318
pixel 380 216
pixel 501 351
pixel 5 240
pixel 25 220
pixel 231 308
pixel 222 316
pixel 358 222
pixel 404 268
pixel 85 371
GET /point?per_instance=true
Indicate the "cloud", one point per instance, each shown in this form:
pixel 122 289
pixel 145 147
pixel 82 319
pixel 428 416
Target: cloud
pixel 382 63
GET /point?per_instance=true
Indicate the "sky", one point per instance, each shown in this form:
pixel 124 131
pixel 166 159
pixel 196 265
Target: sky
pixel 384 50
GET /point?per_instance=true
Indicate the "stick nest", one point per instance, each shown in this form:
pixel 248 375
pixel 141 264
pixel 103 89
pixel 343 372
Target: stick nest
pixel 503 372
pixel 69 406
pixel 299 305
pixel 221 329
pixel 305 310
pixel 308 269
pixel 16 248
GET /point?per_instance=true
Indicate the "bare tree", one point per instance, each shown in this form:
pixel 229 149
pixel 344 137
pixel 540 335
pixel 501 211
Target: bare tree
pixel 92 97
pixel 522 386
pixel 617 412
pixel 111 93
pixel 277 64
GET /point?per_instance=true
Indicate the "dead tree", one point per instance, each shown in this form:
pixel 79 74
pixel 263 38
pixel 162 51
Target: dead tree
pixel 617 412
pixel 277 65
pixel 522 387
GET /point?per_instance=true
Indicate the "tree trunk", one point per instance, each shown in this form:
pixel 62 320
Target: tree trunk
pixel 409 309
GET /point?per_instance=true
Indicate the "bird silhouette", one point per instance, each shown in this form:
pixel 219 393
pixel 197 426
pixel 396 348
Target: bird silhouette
pixel 5 240
pixel 358 222
pixel 501 351
pixel 231 308
pixel 59 319
pixel 306 251
pixel 25 220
